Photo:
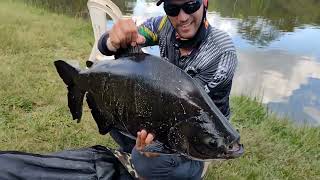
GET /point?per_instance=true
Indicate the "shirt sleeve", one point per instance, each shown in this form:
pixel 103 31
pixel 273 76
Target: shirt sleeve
pixel 217 82
pixel 150 29
pixel 102 45
pixel 216 79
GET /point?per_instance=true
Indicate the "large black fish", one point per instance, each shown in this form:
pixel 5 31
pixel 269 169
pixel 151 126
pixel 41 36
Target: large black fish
pixel 141 91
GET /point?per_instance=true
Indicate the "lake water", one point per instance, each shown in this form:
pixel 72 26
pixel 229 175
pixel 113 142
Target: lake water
pixel 278 47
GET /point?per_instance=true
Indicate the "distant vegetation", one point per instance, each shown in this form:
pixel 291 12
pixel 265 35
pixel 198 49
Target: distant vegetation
pixel 74 7
pixel 261 21
pixel 70 7
pixel 285 15
pixel 34 115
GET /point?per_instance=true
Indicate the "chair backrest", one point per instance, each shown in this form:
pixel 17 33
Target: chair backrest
pixel 100 11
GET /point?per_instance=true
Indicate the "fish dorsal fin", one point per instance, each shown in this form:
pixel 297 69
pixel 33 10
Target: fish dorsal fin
pixel 130 51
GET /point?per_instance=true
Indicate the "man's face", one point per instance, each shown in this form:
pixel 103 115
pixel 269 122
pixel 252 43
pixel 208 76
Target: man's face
pixel 186 24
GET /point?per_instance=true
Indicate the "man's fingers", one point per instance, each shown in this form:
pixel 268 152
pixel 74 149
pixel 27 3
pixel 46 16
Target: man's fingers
pixel 129 39
pixel 138 40
pixel 132 31
pixel 133 44
pixel 141 39
pixel 143 136
pixel 125 32
pixel 138 141
pixel 117 38
pixel 115 41
pixel 128 30
pixel 132 35
pixel 124 43
pixel 149 139
pixel 134 39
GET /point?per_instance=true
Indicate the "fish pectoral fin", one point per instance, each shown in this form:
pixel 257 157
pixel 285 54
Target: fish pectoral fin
pixel 180 134
pixel 104 123
pixel 75 102
pixel 177 139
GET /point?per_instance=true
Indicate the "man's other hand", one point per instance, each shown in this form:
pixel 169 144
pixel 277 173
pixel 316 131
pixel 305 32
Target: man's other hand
pixel 144 139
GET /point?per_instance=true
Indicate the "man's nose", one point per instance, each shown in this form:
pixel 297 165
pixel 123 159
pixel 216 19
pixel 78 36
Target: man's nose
pixel 183 16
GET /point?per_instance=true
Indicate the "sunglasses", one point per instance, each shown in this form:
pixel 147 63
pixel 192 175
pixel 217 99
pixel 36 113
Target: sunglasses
pixel 188 7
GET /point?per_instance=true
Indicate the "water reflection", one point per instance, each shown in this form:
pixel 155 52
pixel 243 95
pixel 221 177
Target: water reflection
pixel 283 15
pixel 282 80
pixel 303 41
pixel 277 43
pixel 283 68
pixel 263 21
pixel 306 111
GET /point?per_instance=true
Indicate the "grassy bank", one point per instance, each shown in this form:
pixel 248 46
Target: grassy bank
pixel 34 116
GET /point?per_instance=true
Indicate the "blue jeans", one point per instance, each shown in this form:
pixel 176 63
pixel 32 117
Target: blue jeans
pixel 163 167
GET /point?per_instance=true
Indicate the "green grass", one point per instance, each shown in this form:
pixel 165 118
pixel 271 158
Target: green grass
pixel 275 149
pixel 34 116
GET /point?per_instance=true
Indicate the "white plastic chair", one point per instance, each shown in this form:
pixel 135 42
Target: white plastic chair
pixel 100 11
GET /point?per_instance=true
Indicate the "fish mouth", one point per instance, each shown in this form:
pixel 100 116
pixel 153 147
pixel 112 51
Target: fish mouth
pixel 234 151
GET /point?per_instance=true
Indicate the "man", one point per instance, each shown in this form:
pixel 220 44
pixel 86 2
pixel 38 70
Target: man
pixel 185 39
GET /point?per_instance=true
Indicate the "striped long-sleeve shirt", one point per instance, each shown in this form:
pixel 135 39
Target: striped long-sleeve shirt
pixel 212 63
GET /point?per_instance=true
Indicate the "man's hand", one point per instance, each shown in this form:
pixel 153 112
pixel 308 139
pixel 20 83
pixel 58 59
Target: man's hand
pixel 123 33
pixel 144 139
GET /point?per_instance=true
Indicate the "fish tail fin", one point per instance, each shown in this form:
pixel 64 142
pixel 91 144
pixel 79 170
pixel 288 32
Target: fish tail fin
pixel 69 74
